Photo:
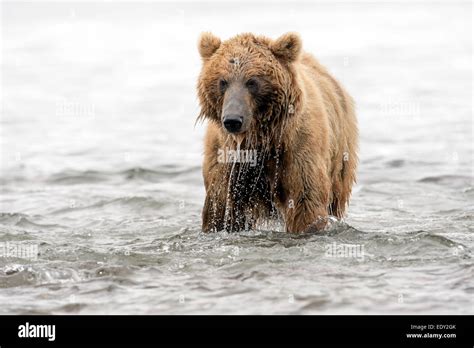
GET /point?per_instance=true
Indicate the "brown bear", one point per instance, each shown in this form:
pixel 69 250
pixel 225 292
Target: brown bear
pixel 282 136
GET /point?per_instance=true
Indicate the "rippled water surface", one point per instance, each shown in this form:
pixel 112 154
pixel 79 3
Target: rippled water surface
pixel 101 164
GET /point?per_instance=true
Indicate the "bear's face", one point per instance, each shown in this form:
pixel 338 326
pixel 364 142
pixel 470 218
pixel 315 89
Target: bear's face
pixel 247 84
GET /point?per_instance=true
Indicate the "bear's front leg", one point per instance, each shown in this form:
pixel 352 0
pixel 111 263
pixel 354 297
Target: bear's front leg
pixel 224 208
pixel 306 206
pixel 223 212
pixel 306 217
pixel 213 213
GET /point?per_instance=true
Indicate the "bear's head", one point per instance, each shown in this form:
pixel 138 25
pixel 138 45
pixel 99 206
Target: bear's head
pixel 248 84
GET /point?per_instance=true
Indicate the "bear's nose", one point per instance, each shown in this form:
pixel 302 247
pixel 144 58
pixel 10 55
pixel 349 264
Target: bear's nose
pixel 233 123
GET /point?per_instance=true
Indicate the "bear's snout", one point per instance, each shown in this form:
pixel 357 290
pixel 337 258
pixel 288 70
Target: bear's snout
pixel 236 109
pixel 233 123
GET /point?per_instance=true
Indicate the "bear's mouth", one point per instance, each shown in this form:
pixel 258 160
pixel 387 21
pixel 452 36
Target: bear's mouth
pixel 238 138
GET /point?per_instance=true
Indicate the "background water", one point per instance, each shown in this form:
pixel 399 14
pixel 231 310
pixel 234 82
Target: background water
pixel 100 163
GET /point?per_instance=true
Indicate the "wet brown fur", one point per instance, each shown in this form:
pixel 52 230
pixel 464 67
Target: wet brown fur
pixel 306 140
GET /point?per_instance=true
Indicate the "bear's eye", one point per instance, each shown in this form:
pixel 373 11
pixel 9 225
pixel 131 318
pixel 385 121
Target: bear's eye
pixel 252 85
pixel 223 85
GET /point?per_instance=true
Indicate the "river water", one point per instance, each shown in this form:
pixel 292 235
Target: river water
pixel 101 185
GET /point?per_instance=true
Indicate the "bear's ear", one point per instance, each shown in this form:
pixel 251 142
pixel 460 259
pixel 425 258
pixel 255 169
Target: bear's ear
pixel 287 47
pixel 208 44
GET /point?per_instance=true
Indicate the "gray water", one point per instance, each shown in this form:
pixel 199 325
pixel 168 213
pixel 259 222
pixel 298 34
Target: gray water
pixel 101 164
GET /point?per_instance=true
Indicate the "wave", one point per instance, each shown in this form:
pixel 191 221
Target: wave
pixel 133 202
pixel 14 275
pixel 377 246
pixel 74 177
pixel 153 175
pixel 24 221
pixel 449 180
